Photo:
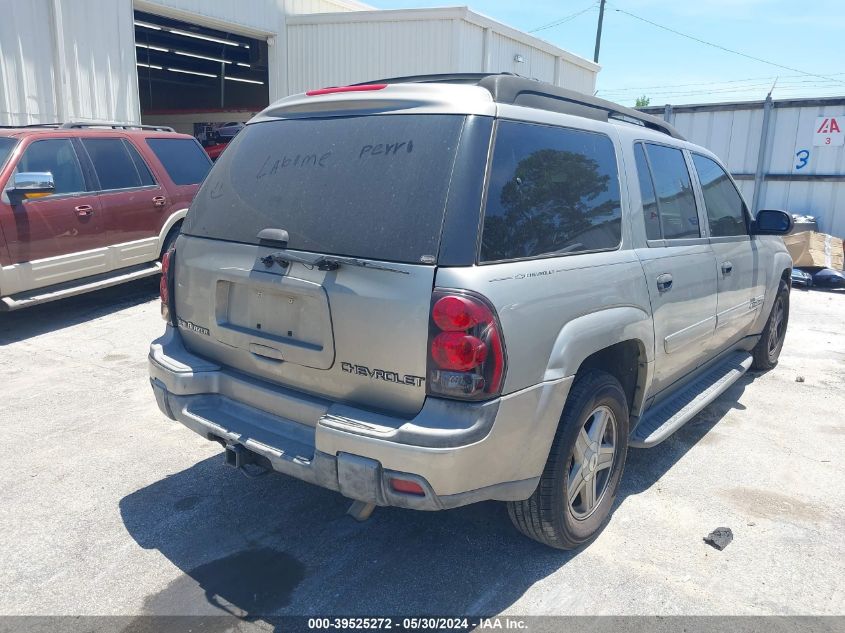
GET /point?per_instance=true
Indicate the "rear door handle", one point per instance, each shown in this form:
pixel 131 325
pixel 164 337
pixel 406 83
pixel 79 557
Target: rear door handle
pixel 84 210
pixel 664 282
pixel 727 268
pixel 159 201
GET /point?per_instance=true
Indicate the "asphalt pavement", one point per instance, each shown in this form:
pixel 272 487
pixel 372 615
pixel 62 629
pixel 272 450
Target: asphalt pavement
pixel 109 508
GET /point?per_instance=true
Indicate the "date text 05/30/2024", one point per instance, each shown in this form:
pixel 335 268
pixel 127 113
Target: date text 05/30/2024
pixel 413 624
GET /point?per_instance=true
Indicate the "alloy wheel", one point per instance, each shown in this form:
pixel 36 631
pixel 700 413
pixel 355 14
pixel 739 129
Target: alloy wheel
pixel 776 327
pixel 591 462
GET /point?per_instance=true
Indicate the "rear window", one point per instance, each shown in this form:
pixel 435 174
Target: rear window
pixel 372 186
pixel 552 191
pixel 6 146
pixel 185 161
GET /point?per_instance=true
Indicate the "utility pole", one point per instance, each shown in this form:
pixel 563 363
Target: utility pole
pixel 598 32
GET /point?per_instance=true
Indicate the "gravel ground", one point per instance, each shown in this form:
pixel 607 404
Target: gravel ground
pixel 108 508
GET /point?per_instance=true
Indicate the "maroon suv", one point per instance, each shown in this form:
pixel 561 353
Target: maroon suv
pixel 85 206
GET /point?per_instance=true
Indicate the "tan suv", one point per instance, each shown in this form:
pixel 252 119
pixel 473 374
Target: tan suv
pixel 89 205
pixel 433 291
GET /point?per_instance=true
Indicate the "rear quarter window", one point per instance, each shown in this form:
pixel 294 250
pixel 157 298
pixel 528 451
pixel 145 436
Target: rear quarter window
pixel 184 160
pixel 552 191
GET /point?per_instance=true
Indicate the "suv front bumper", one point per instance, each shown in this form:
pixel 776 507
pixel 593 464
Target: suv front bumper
pixel 458 453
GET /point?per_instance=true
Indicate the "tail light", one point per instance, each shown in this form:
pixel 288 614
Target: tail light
pixel 165 286
pixel 466 357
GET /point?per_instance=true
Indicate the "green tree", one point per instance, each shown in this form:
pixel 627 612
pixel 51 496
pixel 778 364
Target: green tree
pixel 550 200
pixel 642 102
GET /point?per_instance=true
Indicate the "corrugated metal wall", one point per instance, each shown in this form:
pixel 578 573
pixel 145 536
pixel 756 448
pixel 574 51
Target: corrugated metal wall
pixel 335 54
pixel 297 7
pixel 734 136
pixel 577 78
pixel 27 91
pixel 97 79
pixel 75 59
pixel 256 16
pixel 470 53
pixel 733 132
pixel 337 50
pixel 537 64
pixel 791 131
pixel 101 80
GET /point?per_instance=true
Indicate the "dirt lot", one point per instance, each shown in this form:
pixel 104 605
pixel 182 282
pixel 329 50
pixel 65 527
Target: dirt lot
pixel 107 507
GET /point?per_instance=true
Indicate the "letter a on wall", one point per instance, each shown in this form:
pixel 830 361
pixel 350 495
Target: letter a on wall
pixel 828 131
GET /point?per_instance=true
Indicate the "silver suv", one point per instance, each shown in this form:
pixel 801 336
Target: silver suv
pixel 431 291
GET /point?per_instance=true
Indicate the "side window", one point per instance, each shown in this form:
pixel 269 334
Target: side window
pixel 675 198
pixel 185 161
pixel 112 162
pixel 650 212
pixel 551 191
pixel 143 171
pixel 6 146
pixel 57 156
pixel 725 207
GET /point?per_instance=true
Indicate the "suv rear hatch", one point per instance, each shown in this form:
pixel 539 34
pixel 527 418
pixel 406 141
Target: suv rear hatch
pixel 333 299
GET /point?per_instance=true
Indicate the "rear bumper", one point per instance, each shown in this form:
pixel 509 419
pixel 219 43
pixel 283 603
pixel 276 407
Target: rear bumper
pixel 459 453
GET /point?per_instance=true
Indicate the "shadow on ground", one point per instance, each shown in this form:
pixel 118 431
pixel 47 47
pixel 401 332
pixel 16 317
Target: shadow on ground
pixel 277 546
pixel 646 466
pixel 56 315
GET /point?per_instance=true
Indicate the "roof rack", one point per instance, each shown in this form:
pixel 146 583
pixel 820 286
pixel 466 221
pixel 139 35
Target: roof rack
pixel 71 125
pixel 115 125
pixel 28 125
pixel 532 93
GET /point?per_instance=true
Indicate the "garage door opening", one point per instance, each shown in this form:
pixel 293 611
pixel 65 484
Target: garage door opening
pixel 198 80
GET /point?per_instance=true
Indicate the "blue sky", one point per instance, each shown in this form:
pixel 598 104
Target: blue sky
pixel 640 59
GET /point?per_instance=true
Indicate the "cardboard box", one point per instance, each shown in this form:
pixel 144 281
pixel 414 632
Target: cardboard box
pixel 810 249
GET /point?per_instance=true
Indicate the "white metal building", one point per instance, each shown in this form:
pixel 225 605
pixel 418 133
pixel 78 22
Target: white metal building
pixel 189 62
pixel 784 154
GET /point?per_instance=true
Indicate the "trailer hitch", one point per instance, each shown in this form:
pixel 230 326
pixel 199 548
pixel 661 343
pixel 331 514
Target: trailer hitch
pixel 239 457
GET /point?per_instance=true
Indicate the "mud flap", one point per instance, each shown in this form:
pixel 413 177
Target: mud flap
pixel 360 478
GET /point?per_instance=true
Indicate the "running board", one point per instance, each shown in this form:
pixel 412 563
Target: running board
pixel 661 421
pixel 79 286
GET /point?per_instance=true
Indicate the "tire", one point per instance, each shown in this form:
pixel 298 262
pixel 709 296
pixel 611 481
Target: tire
pixel 767 350
pixel 552 515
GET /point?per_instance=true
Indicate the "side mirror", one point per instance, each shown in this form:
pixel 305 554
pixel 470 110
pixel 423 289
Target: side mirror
pixel 31 184
pixel 771 222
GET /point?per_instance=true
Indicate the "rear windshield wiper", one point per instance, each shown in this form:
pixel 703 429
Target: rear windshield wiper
pixel 324 262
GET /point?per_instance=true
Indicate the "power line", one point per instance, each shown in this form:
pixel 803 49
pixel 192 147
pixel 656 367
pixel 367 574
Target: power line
pixel 750 93
pixel 724 48
pixel 781 86
pixel 749 88
pixel 730 96
pixel 564 19
pixel 737 96
pixel 707 83
pixel 784 89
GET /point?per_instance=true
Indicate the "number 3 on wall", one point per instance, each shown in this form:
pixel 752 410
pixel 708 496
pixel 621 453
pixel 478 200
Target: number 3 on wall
pixel 803 156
